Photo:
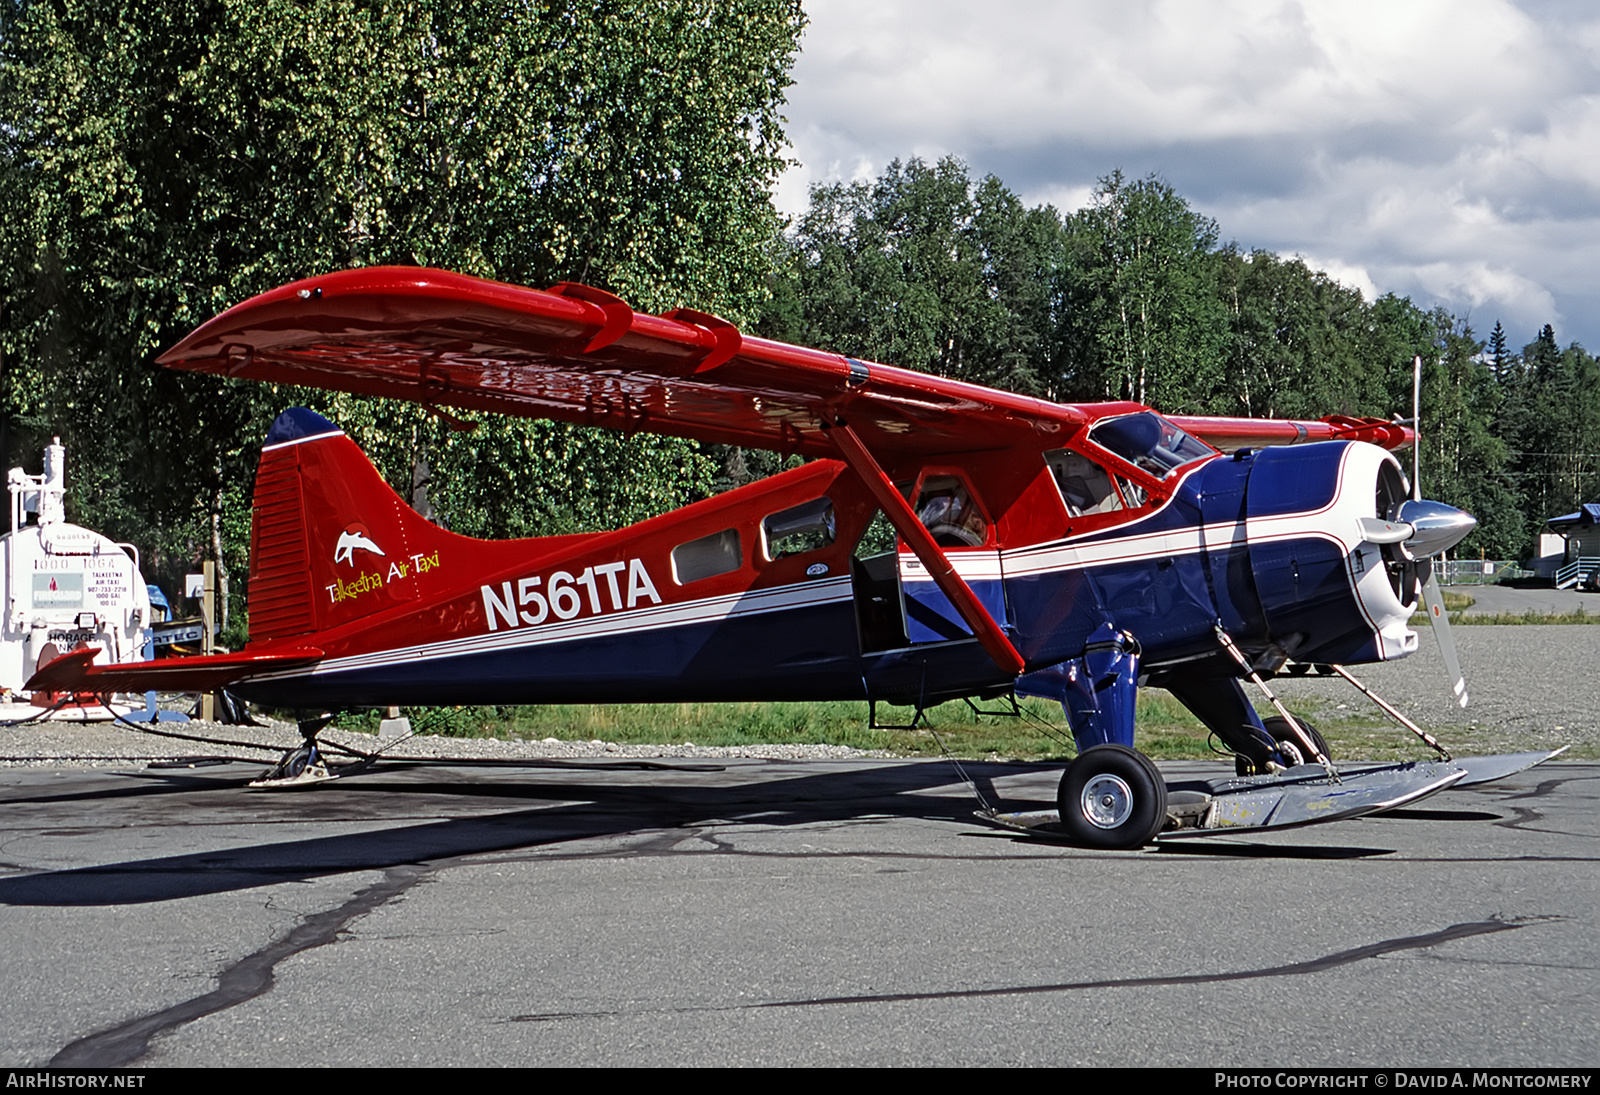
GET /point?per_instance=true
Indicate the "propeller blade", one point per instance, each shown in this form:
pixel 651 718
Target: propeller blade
pixel 1437 528
pixel 1441 631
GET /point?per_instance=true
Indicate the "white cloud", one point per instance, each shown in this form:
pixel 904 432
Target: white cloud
pixel 1477 283
pixel 1439 149
pixel 1346 274
pixel 956 72
pixel 1065 198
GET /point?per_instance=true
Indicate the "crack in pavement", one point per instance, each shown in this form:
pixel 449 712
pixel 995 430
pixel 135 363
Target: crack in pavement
pixel 1314 965
pixel 250 977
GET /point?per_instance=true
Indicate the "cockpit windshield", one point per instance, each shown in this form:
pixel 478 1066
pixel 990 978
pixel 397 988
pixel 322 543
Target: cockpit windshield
pixel 1148 441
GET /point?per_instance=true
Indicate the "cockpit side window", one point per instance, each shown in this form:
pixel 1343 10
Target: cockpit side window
pixel 1148 441
pixel 1085 486
pixel 707 557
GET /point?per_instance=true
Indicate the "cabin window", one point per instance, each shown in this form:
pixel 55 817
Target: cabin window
pixel 1085 486
pixel 798 529
pixel 707 557
pixel 951 515
pixel 1148 441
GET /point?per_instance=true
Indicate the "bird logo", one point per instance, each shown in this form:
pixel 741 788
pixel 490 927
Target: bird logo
pixel 353 537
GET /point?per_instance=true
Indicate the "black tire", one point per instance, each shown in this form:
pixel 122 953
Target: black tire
pixel 1278 727
pixel 295 765
pixel 1112 797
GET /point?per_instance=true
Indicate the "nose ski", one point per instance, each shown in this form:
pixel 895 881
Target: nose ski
pixel 1295 797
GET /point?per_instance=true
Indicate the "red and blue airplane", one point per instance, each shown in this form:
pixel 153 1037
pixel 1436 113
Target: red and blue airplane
pixel 941 541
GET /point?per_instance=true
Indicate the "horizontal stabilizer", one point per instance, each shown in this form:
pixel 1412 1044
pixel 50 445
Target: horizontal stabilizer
pixel 74 671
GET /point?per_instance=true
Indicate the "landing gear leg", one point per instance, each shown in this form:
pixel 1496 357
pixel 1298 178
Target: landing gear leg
pixel 1289 741
pixel 299 767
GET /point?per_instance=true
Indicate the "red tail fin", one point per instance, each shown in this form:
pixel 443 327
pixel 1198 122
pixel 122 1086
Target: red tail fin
pixel 330 541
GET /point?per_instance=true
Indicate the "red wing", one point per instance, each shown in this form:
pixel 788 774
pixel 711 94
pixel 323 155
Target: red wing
pixel 580 355
pixel 1229 434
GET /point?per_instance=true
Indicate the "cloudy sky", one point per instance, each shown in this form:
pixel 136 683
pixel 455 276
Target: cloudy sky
pixel 1446 151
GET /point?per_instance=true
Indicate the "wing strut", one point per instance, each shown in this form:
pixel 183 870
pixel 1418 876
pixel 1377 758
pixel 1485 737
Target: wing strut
pixel 911 531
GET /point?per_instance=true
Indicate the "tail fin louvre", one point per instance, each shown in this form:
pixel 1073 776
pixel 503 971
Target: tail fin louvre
pixel 280 563
pixel 280 567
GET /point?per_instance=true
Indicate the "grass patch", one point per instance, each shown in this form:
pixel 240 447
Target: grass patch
pixel 1527 618
pixel 1456 604
pixel 1165 729
pixel 1420 619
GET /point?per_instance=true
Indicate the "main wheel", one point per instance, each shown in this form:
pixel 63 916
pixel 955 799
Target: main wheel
pixel 1279 728
pixel 1112 797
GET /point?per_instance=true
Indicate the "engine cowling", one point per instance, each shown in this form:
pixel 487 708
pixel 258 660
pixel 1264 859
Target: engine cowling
pixel 1338 551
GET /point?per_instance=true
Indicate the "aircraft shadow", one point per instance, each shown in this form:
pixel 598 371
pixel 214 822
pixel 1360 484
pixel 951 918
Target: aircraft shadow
pixel 588 800
pixel 597 804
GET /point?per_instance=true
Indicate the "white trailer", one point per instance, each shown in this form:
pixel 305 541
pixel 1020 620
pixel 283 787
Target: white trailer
pixel 64 585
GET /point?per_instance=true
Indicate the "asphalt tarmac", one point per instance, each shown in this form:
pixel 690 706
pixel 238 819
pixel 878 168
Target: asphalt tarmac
pixel 759 912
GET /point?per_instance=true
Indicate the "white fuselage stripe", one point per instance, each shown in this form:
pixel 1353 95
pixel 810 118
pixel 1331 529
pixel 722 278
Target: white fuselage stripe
pixel 1190 541
pixel 682 614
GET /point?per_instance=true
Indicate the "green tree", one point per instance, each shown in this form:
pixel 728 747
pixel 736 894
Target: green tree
pixel 1142 314
pixel 1499 354
pixel 1550 419
pixel 927 270
pixel 160 163
pixel 1297 343
pixel 1463 462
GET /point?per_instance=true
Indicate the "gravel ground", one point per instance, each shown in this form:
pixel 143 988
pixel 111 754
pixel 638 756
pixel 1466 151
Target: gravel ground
pixel 112 744
pixel 1532 687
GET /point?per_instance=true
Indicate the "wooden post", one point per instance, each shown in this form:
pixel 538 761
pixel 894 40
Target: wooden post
pixel 208 621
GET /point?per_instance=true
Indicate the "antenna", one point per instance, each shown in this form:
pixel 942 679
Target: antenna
pixel 1416 427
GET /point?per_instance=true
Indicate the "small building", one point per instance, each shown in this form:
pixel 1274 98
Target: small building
pixel 1579 563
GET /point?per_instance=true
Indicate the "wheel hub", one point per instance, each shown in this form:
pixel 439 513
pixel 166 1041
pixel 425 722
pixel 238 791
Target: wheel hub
pixel 1107 801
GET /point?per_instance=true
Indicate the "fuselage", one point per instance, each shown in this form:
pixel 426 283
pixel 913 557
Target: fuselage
pixel 796 588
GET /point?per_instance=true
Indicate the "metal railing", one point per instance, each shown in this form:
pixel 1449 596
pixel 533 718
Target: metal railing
pixel 1580 571
pixel 1470 572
